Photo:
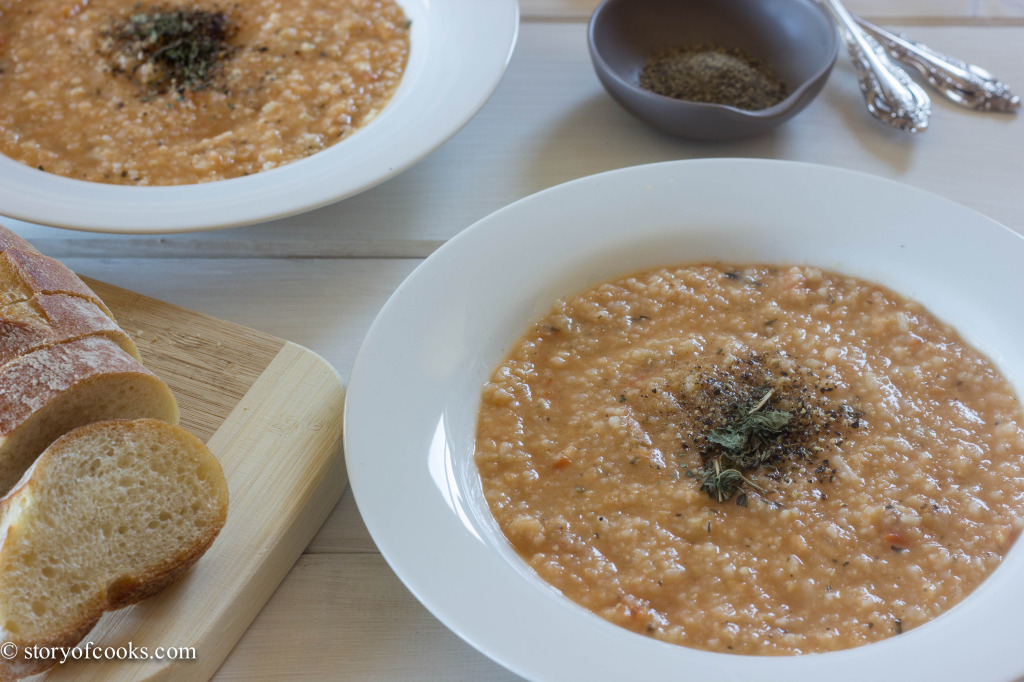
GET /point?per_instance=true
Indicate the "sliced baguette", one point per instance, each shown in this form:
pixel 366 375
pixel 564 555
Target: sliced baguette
pixel 46 319
pixel 24 274
pixel 110 514
pixel 48 392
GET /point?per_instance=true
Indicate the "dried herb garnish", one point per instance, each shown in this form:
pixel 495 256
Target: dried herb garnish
pixel 168 50
pixel 743 447
pixel 742 440
pixel 747 418
pixel 723 483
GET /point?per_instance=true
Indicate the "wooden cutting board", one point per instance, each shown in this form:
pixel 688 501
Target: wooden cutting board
pixel 272 412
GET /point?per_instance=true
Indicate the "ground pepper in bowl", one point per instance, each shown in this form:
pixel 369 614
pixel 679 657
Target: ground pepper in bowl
pixel 713 74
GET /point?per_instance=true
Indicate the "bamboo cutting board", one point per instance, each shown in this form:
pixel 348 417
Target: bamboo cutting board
pixel 272 412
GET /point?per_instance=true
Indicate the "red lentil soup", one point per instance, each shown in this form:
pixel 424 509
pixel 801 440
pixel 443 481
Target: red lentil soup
pixel 753 459
pixel 171 93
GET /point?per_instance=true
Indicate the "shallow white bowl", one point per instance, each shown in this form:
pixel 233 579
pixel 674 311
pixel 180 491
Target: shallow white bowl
pixel 415 389
pixel 459 52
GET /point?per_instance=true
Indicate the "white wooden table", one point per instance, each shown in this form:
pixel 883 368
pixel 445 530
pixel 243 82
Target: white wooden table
pixel 319 279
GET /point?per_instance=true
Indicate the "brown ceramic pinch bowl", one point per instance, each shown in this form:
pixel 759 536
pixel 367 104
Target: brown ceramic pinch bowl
pixel 794 38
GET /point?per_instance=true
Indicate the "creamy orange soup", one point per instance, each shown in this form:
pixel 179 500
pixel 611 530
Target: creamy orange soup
pixel 877 460
pixel 291 77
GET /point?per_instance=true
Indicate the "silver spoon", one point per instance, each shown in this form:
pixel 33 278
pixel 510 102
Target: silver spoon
pixel 891 95
pixel 967 85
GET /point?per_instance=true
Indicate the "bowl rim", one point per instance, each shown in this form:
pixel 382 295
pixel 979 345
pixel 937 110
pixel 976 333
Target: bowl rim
pixel 775 111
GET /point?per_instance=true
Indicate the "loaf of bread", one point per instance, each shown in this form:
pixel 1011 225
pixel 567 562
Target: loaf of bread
pixel 50 391
pixel 107 500
pixel 108 515
pixel 46 319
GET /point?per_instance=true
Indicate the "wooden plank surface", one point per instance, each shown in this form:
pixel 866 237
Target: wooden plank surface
pixel 362 626
pixel 271 411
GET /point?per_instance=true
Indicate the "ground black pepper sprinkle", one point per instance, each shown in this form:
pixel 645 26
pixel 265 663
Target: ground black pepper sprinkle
pixel 713 74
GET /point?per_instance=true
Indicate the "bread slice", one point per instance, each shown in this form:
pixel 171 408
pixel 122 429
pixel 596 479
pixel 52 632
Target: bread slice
pixel 46 319
pixel 24 274
pixel 110 514
pixel 48 392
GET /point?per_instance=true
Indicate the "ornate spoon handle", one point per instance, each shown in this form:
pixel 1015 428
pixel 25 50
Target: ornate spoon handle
pixel 890 94
pixel 966 84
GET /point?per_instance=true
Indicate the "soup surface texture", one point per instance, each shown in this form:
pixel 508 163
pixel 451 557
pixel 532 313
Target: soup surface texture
pixel 753 459
pixel 122 92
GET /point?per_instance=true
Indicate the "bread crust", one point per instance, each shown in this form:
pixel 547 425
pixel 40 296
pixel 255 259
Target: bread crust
pixel 9 240
pixel 132 590
pixel 30 382
pixel 47 319
pixel 24 274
